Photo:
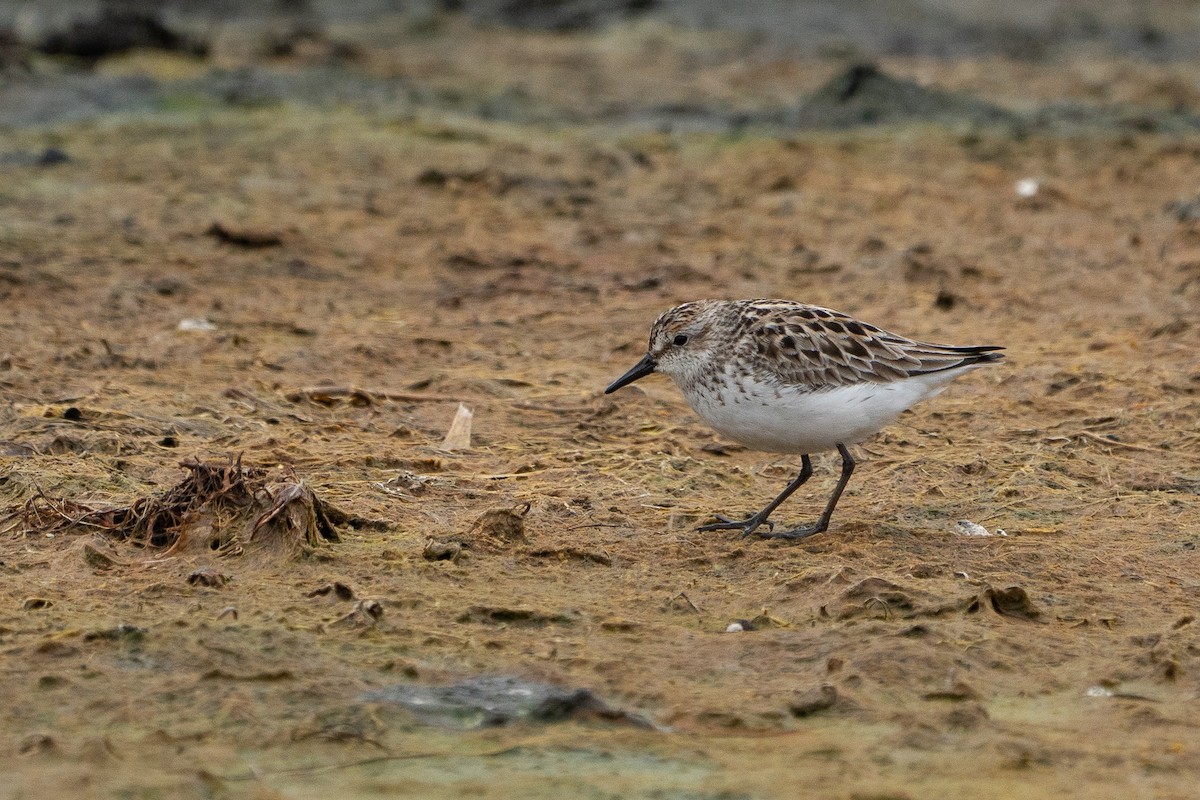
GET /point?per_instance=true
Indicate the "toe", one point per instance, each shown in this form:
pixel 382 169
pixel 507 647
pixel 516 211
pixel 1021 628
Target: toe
pixel 725 524
pixel 798 533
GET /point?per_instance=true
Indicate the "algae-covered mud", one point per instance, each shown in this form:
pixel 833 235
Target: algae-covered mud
pixel 308 487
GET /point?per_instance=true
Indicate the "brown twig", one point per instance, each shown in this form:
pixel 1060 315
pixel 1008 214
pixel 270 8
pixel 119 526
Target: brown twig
pixel 315 393
pixel 1128 445
pixel 526 406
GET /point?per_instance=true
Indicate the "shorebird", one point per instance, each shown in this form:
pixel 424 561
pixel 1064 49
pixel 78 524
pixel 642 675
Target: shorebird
pixel 786 377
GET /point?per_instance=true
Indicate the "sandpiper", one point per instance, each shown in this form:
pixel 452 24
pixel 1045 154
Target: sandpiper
pixel 786 377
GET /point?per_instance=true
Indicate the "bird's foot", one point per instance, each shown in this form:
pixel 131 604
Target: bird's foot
pixel 797 533
pixel 746 526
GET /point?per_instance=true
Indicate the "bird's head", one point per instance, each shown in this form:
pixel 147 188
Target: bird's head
pixel 681 345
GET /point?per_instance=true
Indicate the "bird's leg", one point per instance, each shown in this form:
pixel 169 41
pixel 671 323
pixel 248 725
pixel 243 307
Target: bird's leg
pixel 823 523
pixel 748 526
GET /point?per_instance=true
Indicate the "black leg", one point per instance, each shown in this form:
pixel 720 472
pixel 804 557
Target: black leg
pixel 748 526
pixel 823 523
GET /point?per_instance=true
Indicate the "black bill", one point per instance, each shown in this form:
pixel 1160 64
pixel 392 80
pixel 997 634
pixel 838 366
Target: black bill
pixel 640 370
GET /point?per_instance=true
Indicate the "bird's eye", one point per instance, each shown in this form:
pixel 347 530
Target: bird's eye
pixel 680 340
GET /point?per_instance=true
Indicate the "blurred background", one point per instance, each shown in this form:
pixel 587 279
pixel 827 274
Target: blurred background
pixel 664 63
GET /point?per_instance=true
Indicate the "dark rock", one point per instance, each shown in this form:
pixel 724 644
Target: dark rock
pixel 551 15
pixel 52 156
pixel 115 30
pixel 493 701
pixel 864 95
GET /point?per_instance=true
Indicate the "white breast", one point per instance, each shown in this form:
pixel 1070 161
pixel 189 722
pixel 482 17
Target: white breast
pixel 798 420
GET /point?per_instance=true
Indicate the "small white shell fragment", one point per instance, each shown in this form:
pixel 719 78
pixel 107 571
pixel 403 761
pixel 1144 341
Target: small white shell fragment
pixel 734 627
pixel 1027 187
pixel 196 324
pixel 459 435
pixel 1098 691
pixel 968 528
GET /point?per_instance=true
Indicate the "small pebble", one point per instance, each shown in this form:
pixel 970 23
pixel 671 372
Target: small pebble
pixel 196 324
pixel 1027 187
pixel 52 156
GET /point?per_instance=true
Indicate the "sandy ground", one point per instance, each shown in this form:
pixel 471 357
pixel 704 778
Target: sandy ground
pixel 383 270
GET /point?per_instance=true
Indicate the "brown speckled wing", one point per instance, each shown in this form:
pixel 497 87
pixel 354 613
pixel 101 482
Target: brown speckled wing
pixel 819 348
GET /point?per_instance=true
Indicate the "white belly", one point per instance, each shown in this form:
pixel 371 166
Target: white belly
pixel 787 420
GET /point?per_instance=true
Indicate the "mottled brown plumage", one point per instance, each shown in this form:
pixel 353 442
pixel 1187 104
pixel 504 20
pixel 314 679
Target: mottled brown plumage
pixel 810 346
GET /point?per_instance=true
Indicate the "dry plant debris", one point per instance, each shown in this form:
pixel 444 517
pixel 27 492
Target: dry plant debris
pixel 216 507
pixel 499 527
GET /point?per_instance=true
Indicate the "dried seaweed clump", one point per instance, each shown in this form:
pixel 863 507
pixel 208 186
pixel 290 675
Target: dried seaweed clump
pixel 221 507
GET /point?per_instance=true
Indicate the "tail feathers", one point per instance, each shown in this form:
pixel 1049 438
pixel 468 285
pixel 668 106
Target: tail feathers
pixel 947 359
